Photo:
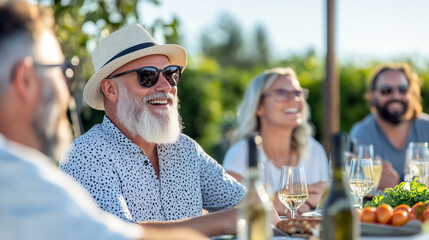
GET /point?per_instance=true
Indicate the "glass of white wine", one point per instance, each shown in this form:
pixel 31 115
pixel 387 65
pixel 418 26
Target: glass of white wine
pixel 351 153
pixel 361 177
pixel 293 188
pixel 418 158
pixel 366 151
pixel 377 166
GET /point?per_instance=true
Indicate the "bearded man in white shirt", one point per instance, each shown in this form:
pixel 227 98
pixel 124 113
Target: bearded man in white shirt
pixel 38 201
pixel 136 164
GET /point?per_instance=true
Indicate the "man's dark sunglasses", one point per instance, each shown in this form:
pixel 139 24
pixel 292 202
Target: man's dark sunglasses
pixel 148 76
pixel 387 89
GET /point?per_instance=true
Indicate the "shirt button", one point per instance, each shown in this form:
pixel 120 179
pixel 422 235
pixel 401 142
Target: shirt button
pixel 146 162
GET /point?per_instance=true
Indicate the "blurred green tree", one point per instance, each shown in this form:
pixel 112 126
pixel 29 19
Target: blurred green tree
pixel 214 81
pixel 80 24
pixel 225 43
pixel 262 46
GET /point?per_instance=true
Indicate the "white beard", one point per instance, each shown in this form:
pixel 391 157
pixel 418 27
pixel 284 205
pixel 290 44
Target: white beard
pixel 162 127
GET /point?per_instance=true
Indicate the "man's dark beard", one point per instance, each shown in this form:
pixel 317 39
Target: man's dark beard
pixel 394 118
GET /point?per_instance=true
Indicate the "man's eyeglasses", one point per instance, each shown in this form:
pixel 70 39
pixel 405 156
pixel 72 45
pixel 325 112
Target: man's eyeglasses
pixel 387 89
pixel 282 95
pixel 148 76
pixel 68 69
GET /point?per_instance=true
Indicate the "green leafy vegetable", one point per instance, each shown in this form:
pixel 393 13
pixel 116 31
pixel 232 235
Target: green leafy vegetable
pixel 402 194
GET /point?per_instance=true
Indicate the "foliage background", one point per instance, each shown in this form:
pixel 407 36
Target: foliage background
pixel 215 79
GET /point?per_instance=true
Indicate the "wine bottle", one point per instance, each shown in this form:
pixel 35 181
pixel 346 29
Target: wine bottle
pixel 254 221
pixel 339 217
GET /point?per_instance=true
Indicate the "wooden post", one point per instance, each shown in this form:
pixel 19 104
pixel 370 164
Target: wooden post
pixel 331 84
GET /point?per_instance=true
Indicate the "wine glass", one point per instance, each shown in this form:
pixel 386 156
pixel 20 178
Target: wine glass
pixel 366 151
pixel 377 166
pixel 351 153
pixel 361 177
pixel 418 159
pixel 293 188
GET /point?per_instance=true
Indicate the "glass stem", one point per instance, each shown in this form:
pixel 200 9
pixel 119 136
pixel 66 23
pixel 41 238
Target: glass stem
pixel 361 202
pixel 293 214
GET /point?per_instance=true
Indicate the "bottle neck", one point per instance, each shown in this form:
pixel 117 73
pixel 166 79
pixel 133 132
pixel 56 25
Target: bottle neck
pixel 338 158
pixel 255 184
pixel 338 178
pixel 338 174
pixel 253 177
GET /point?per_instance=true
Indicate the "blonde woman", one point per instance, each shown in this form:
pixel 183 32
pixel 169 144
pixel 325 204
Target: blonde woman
pixel 275 106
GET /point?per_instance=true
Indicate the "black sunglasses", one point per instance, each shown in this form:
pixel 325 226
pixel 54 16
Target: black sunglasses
pixel 148 76
pixel 387 89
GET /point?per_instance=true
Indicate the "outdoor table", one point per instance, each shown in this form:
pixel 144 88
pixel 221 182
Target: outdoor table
pixel 412 237
pixel 279 235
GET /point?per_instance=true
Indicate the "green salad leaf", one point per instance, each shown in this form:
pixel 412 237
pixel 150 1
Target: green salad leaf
pixel 408 193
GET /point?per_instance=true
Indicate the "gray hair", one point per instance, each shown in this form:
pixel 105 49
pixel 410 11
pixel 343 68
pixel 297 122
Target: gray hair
pixel 12 50
pixel 21 24
pixel 248 121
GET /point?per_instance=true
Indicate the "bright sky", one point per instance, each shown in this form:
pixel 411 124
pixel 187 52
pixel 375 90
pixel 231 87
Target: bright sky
pixel 365 28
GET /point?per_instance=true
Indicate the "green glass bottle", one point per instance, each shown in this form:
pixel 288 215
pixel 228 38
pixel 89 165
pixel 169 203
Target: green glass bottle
pixel 339 217
pixel 254 221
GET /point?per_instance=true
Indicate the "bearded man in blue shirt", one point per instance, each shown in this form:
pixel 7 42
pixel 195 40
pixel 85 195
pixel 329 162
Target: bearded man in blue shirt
pixel 396 119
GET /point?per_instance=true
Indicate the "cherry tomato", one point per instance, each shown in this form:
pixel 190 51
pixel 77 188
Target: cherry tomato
pixel 425 216
pixel 384 213
pixel 411 217
pixel 368 215
pixel 418 209
pixel 399 217
pixel 404 207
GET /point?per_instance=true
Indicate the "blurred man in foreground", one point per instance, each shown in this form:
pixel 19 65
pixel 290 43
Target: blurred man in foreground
pixel 37 201
pixel 396 119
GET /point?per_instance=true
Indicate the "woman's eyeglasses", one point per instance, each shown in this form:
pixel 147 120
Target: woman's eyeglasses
pixel 282 95
pixel 148 76
pixel 387 89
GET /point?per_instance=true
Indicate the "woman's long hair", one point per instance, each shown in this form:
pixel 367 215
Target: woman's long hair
pixel 248 121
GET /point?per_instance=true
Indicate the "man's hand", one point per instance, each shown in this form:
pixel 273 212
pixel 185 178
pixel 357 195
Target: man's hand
pixel 315 192
pixel 274 217
pixel 389 176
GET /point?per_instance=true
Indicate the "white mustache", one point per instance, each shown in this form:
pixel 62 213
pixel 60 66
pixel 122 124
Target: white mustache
pixel 167 96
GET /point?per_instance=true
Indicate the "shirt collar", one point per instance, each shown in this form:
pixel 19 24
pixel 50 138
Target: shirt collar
pixel 119 139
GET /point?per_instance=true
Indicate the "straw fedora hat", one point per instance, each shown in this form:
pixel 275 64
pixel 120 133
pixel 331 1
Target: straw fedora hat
pixel 119 48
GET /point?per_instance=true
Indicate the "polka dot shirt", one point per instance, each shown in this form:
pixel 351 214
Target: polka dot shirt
pixel 121 180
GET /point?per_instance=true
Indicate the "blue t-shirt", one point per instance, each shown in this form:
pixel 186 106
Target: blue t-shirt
pixel 368 132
